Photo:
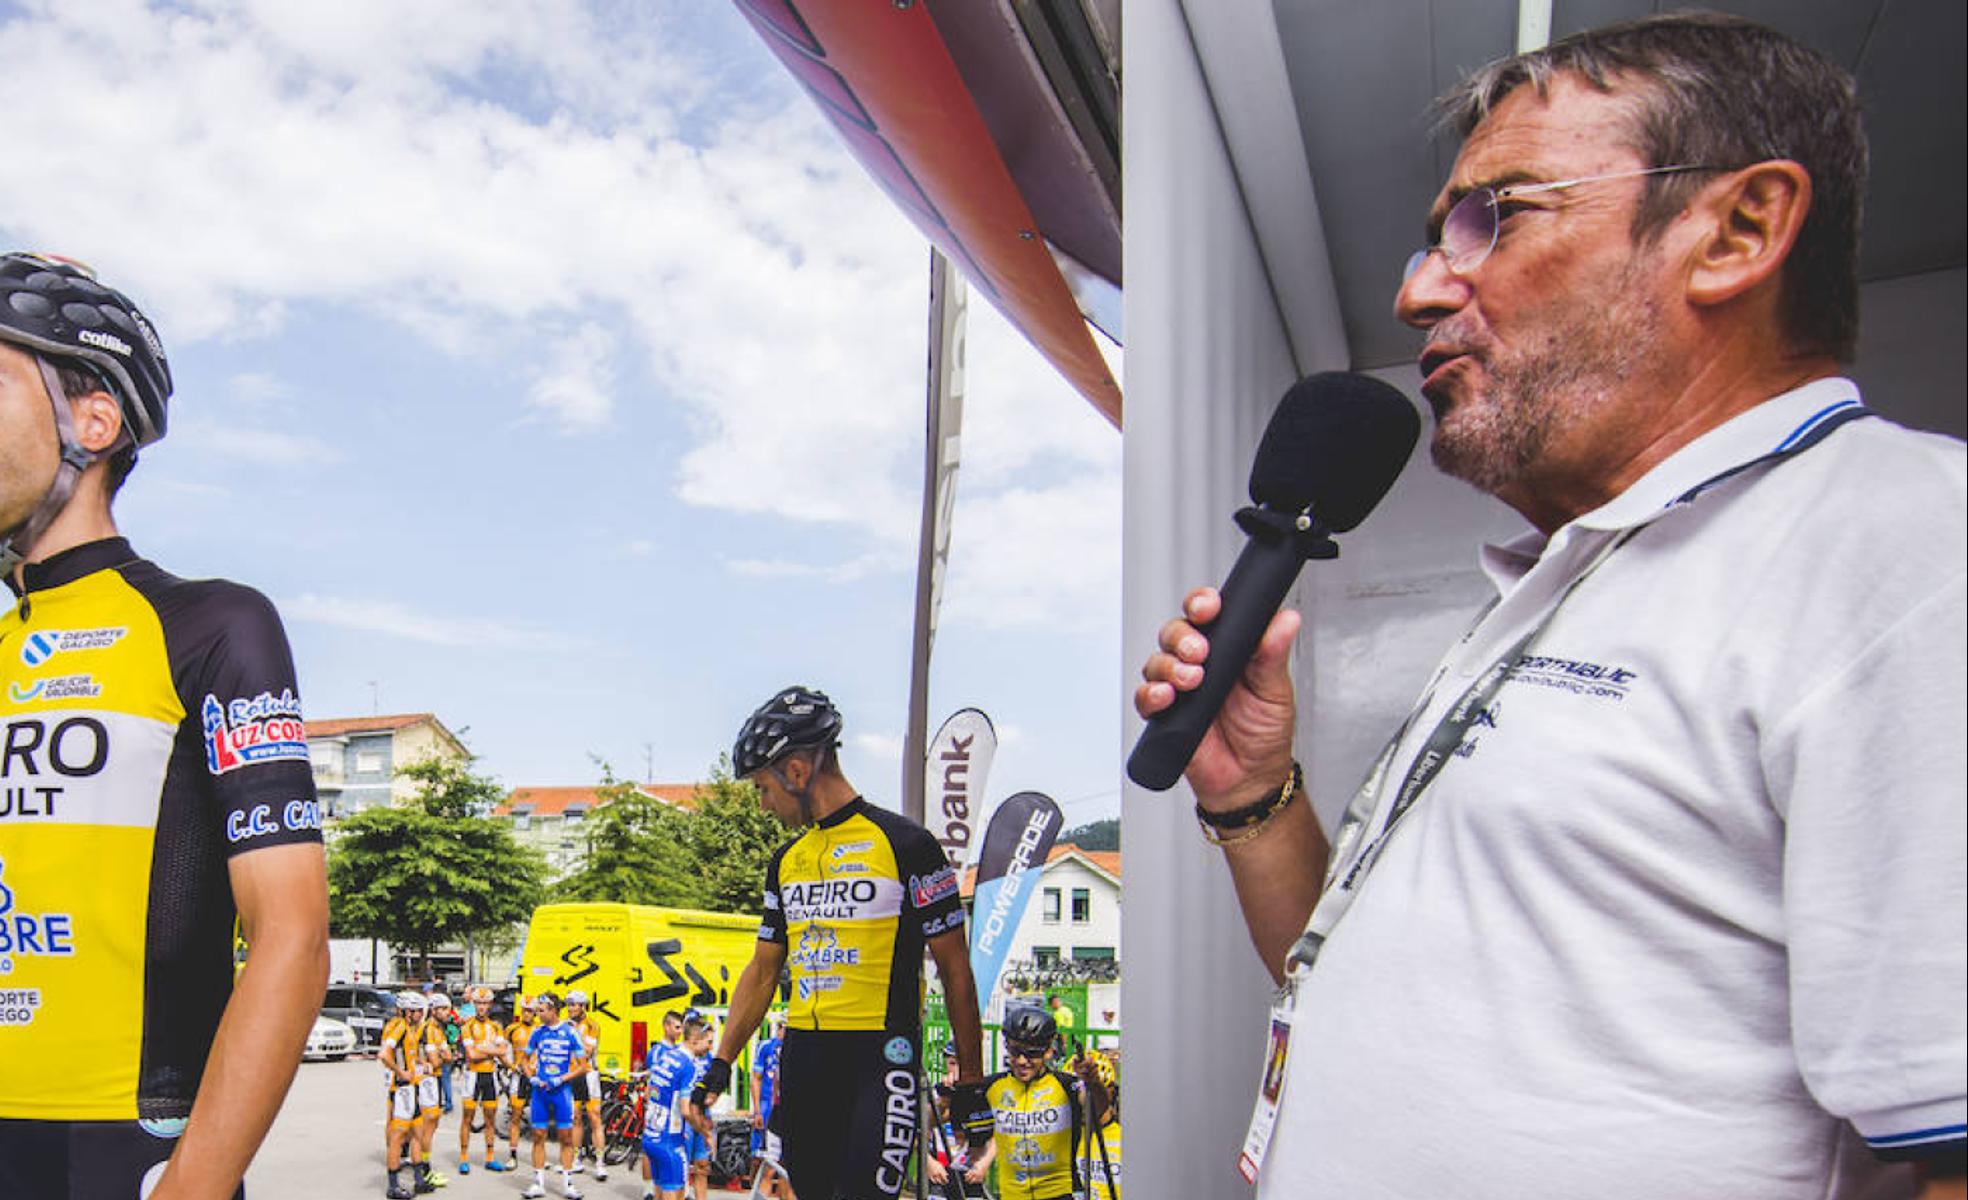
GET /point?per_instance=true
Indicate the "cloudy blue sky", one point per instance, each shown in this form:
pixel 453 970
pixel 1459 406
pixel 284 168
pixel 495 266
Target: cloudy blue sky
pixel 556 371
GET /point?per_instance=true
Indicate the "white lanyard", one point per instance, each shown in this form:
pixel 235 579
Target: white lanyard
pixel 1339 892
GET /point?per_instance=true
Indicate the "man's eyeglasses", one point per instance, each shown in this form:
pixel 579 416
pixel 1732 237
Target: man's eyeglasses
pixel 1037 1055
pixel 1469 232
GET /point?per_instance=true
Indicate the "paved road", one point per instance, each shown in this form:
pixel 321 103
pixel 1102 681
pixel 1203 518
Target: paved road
pixel 327 1144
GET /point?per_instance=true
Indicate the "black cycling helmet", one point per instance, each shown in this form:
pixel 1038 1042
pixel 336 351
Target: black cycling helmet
pixel 54 306
pixel 795 718
pixel 1030 1028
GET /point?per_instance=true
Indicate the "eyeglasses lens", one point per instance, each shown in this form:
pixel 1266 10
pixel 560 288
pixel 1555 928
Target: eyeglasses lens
pixel 1469 233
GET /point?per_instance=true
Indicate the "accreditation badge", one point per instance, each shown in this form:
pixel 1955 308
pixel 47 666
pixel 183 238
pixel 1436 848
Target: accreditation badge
pixel 1271 1084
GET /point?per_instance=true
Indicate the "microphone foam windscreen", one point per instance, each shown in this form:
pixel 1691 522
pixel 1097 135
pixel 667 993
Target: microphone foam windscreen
pixel 1336 444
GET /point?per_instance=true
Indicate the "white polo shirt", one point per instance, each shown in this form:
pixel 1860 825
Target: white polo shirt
pixel 1689 904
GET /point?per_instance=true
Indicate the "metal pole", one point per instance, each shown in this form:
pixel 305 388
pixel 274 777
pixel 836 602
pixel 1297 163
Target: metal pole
pixel 943 424
pixel 1533 25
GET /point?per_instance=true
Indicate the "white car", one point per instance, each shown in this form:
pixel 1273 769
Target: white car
pixel 329 1039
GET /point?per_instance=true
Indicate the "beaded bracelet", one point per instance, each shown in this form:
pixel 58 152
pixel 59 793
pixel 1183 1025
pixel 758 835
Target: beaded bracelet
pixel 1247 822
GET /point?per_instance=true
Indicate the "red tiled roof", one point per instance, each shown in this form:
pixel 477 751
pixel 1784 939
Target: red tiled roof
pixel 1107 860
pixel 341 726
pixel 553 801
pixel 676 795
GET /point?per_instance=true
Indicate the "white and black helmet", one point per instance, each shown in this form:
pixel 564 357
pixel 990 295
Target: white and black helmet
pixel 1028 1026
pixel 796 718
pixel 54 309
pixel 55 306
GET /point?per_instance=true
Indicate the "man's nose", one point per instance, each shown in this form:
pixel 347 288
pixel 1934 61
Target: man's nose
pixel 1432 293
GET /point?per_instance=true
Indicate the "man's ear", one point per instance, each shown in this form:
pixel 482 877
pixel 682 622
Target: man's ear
pixel 98 420
pixel 1750 222
pixel 797 779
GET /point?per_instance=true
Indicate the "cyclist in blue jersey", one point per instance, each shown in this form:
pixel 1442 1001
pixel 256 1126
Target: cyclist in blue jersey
pixel 667 1114
pixel 765 1090
pixel 558 1054
pixel 698 1138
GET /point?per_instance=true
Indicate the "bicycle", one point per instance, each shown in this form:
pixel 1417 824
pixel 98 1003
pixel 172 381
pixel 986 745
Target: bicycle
pixel 621 1119
pixel 502 1079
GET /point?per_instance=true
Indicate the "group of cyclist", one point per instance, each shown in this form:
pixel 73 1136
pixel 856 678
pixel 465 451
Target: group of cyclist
pixel 542 1067
pixel 852 905
pixel 205 716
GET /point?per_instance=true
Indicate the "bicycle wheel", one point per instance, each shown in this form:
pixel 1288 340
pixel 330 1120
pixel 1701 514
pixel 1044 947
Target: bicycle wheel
pixel 619 1138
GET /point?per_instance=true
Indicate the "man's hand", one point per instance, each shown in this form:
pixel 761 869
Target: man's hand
pixel 1247 750
pixel 971 1112
pixel 716 1082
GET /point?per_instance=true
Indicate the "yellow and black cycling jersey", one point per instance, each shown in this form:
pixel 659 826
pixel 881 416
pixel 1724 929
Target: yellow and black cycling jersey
pixel 516 1035
pixel 589 1030
pixel 1101 1162
pixel 481 1032
pixel 149 732
pixel 412 1043
pixel 853 899
pixel 1038 1135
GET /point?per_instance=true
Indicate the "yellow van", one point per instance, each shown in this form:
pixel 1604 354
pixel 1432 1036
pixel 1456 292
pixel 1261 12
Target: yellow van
pixel 635 963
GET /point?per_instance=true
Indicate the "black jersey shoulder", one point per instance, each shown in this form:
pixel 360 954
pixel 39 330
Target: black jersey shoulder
pixel 217 631
pixel 916 849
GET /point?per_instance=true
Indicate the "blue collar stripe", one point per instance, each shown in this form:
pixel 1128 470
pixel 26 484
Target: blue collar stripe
pixel 1812 421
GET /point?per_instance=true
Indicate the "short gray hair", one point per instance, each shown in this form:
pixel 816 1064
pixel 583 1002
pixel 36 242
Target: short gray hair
pixel 1718 90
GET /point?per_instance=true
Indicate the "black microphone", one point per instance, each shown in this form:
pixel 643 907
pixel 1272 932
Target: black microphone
pixel 1335 445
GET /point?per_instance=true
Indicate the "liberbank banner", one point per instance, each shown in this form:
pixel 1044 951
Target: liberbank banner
pixel 958 762
pixel 1017 842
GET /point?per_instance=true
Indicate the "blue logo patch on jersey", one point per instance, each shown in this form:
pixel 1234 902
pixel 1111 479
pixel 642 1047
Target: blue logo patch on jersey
pixel 39 647
pixel 43 644
pixel 899 1051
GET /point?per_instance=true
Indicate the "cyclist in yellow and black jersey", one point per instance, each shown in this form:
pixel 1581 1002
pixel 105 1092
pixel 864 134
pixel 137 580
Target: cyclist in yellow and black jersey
pixel 585 1088
pixel 519 1089
pixel 155 795
pixel 1100 1150
pixel 1039 1113
pixel 410 1094
pixel 850 905
pixel 483 1043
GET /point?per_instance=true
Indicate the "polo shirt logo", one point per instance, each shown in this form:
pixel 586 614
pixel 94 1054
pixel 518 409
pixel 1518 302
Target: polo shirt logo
pixel 1578 676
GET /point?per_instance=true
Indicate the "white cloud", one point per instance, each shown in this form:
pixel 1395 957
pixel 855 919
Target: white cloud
pixel 1046 557
pixel 545 180
pixel 575 388
pixel 259 387
pixel 390 618
pixel 192 488
pixel 850 571
pixel 883 747
pixel 269 447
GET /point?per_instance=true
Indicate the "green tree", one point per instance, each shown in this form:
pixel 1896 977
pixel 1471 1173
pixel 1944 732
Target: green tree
pixel 1095 835
pixel 431 873
pixel 637 852
pixel 448 788
pixel 731 839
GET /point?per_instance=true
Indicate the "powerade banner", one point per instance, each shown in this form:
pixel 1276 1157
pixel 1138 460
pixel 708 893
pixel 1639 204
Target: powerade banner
pixel 1016 843
pixel 954 770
